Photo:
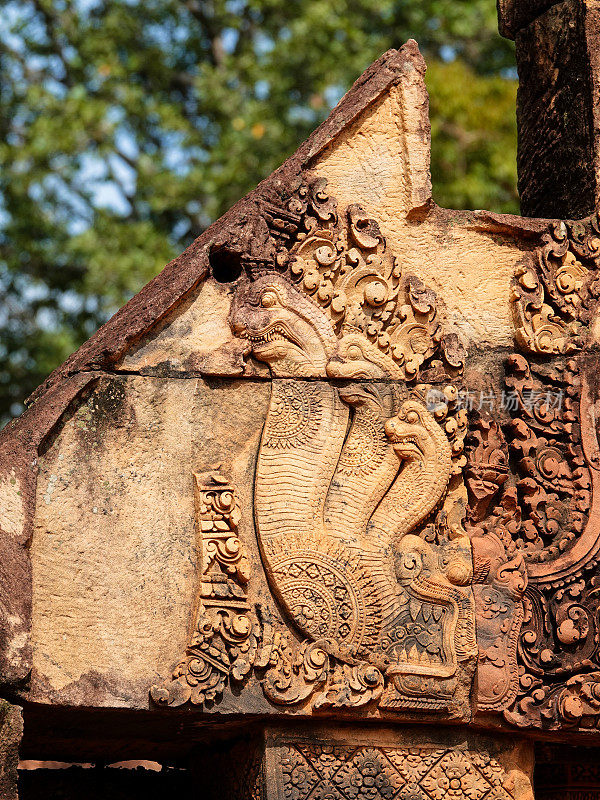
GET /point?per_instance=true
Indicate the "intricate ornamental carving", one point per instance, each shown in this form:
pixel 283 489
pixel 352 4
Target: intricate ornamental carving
pixel 559 538
pixel 500 576
pixel 487 469
pixel 296 673
pixel 384 773
pixel 385 323
pixel 553 478
pixel 359 498
pixel 554 444
pixel 554 301
pixel 348 475
pixel 224 642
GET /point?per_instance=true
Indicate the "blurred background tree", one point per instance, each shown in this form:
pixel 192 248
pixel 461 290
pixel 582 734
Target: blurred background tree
pixel 128 126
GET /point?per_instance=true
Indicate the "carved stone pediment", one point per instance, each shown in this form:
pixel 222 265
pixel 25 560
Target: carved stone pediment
pixel 377 485
pixel 358 493
pixel 338 462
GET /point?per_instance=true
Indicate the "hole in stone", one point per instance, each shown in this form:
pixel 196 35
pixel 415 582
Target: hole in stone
pixel 225 265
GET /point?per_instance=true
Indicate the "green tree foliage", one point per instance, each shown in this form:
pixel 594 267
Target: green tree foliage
pixel 127 126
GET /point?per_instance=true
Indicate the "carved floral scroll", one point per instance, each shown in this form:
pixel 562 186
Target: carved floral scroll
pixel 554 301
pixel 554 444
pixel 224 641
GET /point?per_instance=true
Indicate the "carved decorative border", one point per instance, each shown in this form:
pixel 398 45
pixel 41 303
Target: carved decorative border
pixel 224 642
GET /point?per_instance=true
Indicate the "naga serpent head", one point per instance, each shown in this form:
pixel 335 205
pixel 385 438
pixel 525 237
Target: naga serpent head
pixel 413 432
pixel 284 328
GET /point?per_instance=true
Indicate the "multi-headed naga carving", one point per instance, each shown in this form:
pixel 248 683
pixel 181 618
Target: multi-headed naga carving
pixel 349 474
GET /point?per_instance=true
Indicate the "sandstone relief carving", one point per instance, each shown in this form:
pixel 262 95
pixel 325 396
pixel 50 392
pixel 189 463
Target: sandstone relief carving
pixel 499 571
pixel 386 519
pixel 376 773
pixel 384 524
pixel 225 637
pixel 348 474
pixel 378 550
pixel 554 445
pixel 359 498
pixel 554 301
